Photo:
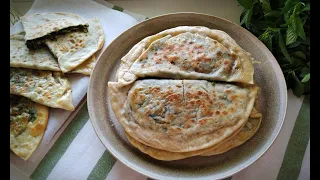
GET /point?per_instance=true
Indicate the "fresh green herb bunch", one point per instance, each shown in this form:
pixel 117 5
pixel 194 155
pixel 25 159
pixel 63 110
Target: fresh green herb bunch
pixel 284 27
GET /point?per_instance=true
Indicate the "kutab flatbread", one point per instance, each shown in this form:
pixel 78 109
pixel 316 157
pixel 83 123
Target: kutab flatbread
pixel 181 115
pixel 86 67
pixel 187 52
pixel 42 26
pixel 52 89
pixel 28 121
pixel 22 56
pixel 74 48
pixel 239 137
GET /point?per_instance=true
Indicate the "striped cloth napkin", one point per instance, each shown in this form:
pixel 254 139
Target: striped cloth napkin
pixel 76 152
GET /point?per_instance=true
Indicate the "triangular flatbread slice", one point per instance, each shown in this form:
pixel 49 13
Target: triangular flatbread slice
pixel 74 48
pixel 40 58
pixel 28 122
pixel 86 67
pixel 22 56
pixel 42 26
pixel 52 89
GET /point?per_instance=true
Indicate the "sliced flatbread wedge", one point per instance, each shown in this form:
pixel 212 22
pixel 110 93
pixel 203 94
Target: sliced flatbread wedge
pixel 40 58
pixel 42 26
pixel 86 67
pixel 22 56
pixel 74 48
pixel 28 122
pixel 52 89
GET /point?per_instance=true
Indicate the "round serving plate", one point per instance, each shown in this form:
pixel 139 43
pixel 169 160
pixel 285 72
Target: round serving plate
pixel 272 103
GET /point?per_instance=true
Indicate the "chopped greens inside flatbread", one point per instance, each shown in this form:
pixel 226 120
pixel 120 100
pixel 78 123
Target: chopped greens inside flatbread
pixel 22 56
pixel 28 121
pixel 74 48
pixel 42 26
pixel 52 89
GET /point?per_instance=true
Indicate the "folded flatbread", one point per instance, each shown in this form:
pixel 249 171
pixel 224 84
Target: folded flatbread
pixel 237 138
pixel 249 129
pixel 28 121
pixel 40 58
pixel 181 115
pixel 21 56
pixel 74 48
pixel 170 156
pixel 42 26
pixel 187 52
pixel 52 89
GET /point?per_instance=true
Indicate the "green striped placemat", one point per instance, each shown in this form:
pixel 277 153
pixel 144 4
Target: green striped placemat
pixel 298 142
pixel 290 168
pixel 104 162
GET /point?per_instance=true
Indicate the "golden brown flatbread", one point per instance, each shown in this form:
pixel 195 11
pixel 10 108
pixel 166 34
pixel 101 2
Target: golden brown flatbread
pixel 28 121
pixel 181 115
pixel 187 52
pixel 52 89
pixel 75 48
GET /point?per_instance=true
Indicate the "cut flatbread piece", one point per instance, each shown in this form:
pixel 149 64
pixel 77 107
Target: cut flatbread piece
pixel 74 48
pixel 28 121
pixel 52 89
pixel 22 56
pixel 86 67
pixel 42 26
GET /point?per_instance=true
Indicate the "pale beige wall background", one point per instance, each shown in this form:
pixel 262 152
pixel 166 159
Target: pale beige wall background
pixel 227 9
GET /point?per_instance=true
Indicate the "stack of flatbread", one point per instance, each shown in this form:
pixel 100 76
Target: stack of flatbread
pixel 51 45
pixel 184 92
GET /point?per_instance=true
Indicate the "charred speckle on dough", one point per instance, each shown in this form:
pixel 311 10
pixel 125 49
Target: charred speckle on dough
pixel 202 122
pixel 233 56
pixel 228 66
pixel 233 97
pixel 217 112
